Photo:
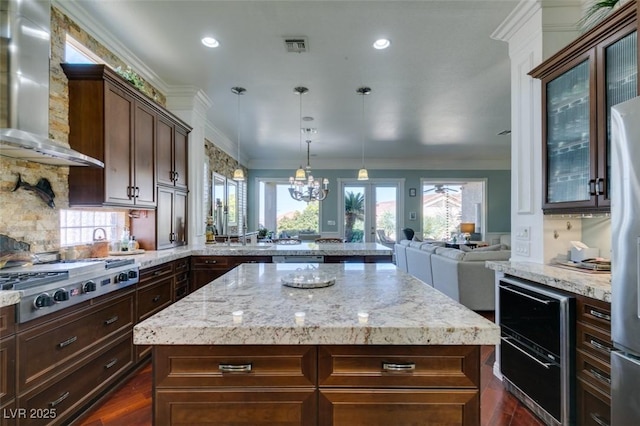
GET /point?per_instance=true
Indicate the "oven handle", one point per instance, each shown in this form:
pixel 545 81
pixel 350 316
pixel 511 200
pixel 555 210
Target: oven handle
pixel 546 302
pixel 544 364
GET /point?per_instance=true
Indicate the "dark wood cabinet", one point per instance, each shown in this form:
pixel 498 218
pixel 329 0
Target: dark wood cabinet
pixel 171 223
pixel 7 365
pixel 172 145
pixel 593 365
pixel 205 269
pixel 317 385
pixel 580 83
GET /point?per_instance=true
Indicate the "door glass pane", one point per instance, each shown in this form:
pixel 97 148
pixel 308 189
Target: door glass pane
pixel 282 216
pixel 441 211
pixel 354 213
pixel 568 154
pixel 385 212
pixel 621 80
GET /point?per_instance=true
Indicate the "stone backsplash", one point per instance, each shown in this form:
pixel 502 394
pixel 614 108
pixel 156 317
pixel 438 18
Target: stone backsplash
pixel 24 216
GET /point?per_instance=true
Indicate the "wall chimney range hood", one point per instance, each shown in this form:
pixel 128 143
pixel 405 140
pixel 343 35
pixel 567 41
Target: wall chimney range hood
pixel 24 112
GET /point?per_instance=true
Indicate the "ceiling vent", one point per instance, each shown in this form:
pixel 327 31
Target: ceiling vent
pixel 296 44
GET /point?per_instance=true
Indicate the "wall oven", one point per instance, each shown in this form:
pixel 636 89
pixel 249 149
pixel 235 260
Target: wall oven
pixel 537 349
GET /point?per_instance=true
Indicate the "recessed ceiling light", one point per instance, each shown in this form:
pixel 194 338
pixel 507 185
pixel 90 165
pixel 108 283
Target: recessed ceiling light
pixel 210 42
pixel 382 43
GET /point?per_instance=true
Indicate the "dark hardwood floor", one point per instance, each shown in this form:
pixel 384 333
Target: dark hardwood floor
pixel 131 404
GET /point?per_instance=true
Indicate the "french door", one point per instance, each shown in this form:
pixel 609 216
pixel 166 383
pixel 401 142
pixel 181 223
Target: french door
pixel 371 210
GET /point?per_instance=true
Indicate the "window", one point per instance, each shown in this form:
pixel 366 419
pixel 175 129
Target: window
pixel 78 226
pixel 445 205
pixel 283 215
pixel 76 53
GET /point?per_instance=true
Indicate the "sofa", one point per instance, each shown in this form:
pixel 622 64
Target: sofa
pixel 400 250
pixel 459 274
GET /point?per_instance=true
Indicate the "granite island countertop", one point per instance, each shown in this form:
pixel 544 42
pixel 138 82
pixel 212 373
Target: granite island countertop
pixel 401 310
pixel 596 286
pixel 9 297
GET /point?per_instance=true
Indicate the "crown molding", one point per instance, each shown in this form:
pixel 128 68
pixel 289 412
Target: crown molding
pixel 85 21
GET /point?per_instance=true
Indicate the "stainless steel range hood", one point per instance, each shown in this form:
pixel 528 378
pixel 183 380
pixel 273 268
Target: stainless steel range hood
pixel 24 77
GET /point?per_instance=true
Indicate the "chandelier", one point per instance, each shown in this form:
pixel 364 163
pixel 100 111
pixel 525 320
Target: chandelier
pixel 308 189
pixel 303 186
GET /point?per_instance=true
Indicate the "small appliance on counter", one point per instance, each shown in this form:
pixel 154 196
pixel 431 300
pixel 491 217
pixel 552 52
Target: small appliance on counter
pixel 581 252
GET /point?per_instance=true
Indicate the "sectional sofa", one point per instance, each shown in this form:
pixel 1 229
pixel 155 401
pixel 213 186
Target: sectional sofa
pixel 459 274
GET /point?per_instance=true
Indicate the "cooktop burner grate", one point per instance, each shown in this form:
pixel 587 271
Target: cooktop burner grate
pixel 23 280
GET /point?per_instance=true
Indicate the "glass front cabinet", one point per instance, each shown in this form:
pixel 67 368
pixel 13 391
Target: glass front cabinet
pixel 580 84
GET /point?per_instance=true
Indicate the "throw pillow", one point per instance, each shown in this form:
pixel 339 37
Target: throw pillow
pixel 465 248
pixel 416 238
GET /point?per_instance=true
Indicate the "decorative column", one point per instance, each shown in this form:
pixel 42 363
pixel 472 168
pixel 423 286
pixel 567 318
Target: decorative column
pixel 534 30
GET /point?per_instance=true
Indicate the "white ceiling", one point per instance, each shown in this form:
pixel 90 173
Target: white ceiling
pixel 441 92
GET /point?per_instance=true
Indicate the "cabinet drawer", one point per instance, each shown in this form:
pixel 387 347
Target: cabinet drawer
pixel 7 369
pixel 209 262
pixel 594 341
pixel 65 396
pixel 7 320
pixel 49 349
pixel 375 407
pixel 153 298
pixel 264 407
pixel 181 266
pixel 398 366
pixel 151 275
pixel 213 366
pixel 594 312
pixel 594 407
pixel 594 371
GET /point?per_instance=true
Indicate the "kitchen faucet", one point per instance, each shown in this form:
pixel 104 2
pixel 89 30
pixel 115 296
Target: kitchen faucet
pixel 95 232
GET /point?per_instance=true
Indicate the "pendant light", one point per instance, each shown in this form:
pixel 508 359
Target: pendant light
pixel 238 173
pixel 300 175
pixel 363 174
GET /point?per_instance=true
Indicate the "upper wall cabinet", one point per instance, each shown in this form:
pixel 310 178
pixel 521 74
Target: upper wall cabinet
pixel 171 153
pixel 112 121
pixel 579 85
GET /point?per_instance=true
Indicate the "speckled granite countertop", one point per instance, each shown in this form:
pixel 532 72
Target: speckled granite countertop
pixel 149 259
pixel 401 311
pixel 9 297
pixel 596 286
pixel 153 258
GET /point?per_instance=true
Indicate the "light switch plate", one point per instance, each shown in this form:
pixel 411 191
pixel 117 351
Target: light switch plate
pixel 523 233
pixel 522 248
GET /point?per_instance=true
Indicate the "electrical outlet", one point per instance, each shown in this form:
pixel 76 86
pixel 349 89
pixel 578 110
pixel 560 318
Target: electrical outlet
pixel 523 233
pixel 331 222
pixel 522 249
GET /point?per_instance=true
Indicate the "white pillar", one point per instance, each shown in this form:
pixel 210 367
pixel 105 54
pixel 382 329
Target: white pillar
pixel 191 105
pixel 534 30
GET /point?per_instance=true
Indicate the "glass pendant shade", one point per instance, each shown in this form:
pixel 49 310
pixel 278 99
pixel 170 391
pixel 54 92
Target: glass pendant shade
pixel 363 174
pixel 301 174
pixel 238 174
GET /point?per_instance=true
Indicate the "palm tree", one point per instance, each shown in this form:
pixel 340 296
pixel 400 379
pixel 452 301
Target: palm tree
pixel 353 210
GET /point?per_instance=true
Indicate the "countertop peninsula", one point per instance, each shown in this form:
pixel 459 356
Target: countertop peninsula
pixel 596 286
pixel 401 311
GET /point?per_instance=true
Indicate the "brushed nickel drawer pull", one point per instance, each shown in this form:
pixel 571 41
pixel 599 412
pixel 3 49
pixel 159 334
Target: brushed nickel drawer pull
pixel 235 368
pixel 391 366
pixel 111 363
pixel 600 346
pixel 111 320
pixel 546 365
pixel 156 273
pixel 600 315
pixel 67 342
pixel 598 419
pixel 156 298
pixel 600 376
pixel 210 262
pixel 59 400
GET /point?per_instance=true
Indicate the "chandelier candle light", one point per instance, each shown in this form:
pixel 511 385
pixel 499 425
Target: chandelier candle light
pixel 238 173
pixel 303 186
pixel 363 174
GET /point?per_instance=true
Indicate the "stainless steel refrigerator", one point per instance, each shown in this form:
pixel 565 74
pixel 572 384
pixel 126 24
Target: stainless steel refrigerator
pixel 625 267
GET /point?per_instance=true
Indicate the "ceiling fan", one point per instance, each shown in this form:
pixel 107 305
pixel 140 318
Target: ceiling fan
pixel 441 188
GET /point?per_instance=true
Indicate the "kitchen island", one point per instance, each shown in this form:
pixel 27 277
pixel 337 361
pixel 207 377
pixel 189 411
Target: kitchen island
pixel 378 347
